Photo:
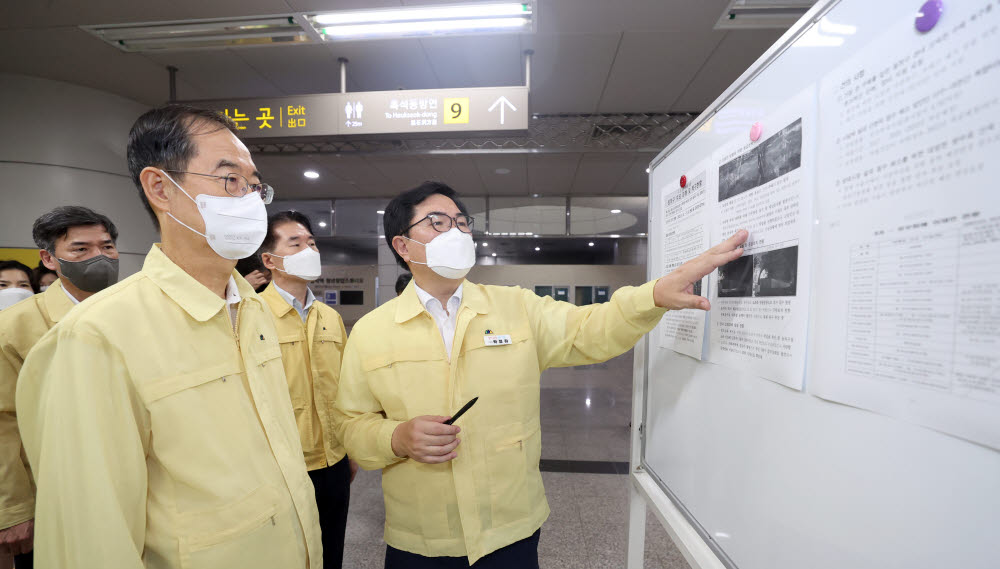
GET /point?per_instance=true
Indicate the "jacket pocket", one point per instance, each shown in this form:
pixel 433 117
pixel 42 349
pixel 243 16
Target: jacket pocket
pixel 507 456
pixel 254 530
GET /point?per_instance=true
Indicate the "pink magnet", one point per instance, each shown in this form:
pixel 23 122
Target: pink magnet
pixel 684 181
pixel 755 131
pixel 928 15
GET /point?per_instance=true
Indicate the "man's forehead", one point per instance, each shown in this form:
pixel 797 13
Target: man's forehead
pixel 437 202
pixel 213 147
pixel 291 229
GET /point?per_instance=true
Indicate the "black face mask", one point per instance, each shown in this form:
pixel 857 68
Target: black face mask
pixel 93 275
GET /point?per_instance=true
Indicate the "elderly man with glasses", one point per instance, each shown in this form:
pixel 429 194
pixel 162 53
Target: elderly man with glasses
pixel 156 415
pixel 470 493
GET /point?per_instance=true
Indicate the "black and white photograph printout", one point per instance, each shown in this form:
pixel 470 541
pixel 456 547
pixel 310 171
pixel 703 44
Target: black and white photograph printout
pixel 907 321
pixel 760 302
pixel 685 235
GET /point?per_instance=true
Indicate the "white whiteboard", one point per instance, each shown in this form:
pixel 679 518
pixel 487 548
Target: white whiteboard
pixel 778 478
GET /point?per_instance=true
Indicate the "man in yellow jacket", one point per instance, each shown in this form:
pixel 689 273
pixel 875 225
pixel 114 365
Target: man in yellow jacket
pixel 79 245
pixel 156 415
pixel 453 500
pixel 312 337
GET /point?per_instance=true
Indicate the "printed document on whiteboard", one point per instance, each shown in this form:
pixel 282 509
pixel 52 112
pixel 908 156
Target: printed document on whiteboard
pixel 760 302
pixel 908 286
pixel 685 236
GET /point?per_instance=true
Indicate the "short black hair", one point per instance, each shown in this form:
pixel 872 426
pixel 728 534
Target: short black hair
pixel 274 220
pixel 398 213
pixel 52 226
pixel 162 138
pixel 11 264
pixel 401 282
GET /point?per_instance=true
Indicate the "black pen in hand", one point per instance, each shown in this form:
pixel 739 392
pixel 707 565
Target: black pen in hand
pixel 461 411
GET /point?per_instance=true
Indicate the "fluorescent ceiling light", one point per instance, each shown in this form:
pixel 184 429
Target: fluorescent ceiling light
pixel 424 13
pixel 424 21
pixel 591 244
pixel 432 27
pixel 311 174
pixel 380 212
pixel 616 211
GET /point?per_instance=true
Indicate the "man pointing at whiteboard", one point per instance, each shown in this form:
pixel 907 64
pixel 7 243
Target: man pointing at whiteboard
pixel 451 499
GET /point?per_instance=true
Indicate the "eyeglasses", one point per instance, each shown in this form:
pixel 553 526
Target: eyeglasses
pixel 237 185
pixel 443 223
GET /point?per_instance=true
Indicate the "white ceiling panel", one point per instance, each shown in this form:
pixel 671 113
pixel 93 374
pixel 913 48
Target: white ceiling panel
pixel 458 171
pixel 296 70
pixel 329 5
pixel 568 71
pixel 487 61
pixel 217 74
pixel 552 174
pixel 588 16
pixel 402 172
pixel 71 55
pixel 653 68
pixel 635 182
pixel 599 173
pixel 735 54
pixel 355 171
pixel 385 65
pixel 513 183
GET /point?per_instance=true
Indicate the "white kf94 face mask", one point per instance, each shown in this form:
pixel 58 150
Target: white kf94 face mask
pixel 451 254
pixel 234 227
pixel 305 264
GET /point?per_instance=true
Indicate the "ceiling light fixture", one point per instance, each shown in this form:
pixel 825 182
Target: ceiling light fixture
pixel 494 254
pixel 311 174
pixel 203 33
pixel 322 224
pixel 380 212
pixel 591 244
pixel 422 21
pixel 485 244
pixel 538 248
pixel 616 211
pixel 614 236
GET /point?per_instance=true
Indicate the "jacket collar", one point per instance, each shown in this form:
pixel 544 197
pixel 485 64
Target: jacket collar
pixel 408 304
pixel 279 306
pixel 182 288
pixel 57 304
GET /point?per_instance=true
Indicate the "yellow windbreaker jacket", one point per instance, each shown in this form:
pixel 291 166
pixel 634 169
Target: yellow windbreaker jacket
pixel 311 353
pixel 21 326
pixel 160 437
pixel 396 368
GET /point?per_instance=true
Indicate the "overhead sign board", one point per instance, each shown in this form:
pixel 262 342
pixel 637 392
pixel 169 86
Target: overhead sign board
pixel 379 112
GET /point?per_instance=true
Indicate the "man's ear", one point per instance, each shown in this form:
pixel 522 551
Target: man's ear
pixel 400 245
pixel 154 185
pixel 268 261
pixel 48 260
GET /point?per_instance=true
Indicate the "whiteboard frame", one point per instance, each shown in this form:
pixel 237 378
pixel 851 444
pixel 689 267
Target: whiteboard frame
pixel 645 488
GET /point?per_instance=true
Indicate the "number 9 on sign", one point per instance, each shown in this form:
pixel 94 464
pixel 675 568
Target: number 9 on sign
pixel 456 111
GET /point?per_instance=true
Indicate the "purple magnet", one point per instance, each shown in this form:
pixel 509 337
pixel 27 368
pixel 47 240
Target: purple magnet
pixel 928 15
pixel 755 131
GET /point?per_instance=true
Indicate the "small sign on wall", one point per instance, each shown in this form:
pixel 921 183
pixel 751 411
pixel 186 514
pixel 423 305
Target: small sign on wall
pixel 331 297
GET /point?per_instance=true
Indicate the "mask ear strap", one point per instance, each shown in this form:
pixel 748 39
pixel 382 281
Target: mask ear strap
pixel 186 225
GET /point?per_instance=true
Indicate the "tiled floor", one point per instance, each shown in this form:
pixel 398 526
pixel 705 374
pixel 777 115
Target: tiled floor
pixel 585 416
